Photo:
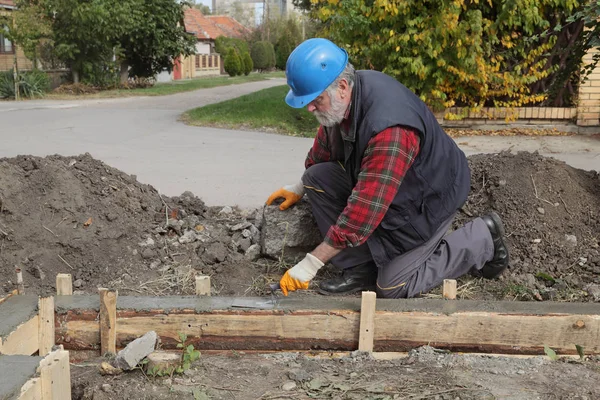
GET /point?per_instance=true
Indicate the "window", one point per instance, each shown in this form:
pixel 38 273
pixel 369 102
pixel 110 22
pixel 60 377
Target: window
pixel 6 45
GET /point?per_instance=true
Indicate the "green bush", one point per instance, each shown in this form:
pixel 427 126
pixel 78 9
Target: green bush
pixel 282 51
pixel 263 55
pixel 232 62
pixel 222 44
pixel 247 63
pixel 30 84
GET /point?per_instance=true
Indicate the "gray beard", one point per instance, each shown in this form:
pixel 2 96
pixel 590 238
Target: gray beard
pixel 334 116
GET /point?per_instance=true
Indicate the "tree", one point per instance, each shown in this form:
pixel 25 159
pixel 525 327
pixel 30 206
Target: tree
pixel 222 43
pixel 232 62
pixel 450 52
pixel 27 26
pixel 204 9
pixel 154 38
pixel 247 62
pixel 263 55
pixel 86 32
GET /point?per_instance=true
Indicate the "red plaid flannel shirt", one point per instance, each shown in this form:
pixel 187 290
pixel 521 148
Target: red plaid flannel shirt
pixel 386 159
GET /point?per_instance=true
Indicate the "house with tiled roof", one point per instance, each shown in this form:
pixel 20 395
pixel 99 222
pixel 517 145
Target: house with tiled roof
pixel 206 28
pixel 8 50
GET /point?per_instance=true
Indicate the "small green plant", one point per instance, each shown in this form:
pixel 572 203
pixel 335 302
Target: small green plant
pixel 550 353
pixel 544 276
pixel 30 84
pixel 189 355
pixel 580 351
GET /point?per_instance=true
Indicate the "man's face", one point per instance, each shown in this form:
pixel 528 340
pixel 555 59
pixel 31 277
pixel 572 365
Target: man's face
pixel 329 110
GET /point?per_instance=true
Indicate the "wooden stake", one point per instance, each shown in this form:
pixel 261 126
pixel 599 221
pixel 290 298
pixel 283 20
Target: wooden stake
pixel 64 285
pixel 449 290
pixel 367 321
pixel 202 285
pixel 20 285
pixel 55 376
pixel 46 339
pixel 108 321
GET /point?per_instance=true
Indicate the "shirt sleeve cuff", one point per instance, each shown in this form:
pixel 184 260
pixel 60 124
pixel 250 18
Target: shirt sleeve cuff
pixel 340 240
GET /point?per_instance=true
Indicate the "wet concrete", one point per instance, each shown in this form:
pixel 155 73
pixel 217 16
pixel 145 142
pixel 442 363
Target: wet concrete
pixel 208 304
pixel 14 372
pixel 15 311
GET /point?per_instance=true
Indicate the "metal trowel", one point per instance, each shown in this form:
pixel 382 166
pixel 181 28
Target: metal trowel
pixel 260 303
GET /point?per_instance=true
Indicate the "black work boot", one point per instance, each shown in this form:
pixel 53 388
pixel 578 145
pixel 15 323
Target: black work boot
pixel 498 264
pixel 355 279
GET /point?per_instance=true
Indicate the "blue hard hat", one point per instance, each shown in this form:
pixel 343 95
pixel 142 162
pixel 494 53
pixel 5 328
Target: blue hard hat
pixel 311 68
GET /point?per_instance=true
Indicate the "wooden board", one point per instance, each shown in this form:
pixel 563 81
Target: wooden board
pixel 46 325
pixel 55 376
pixel 492 332
pixel 108 321
pixel 64 285
pixel 13 293
pixel 367 321
pixel 31 390
pixel 23 340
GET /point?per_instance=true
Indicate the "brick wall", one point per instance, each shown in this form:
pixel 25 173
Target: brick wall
pixel 7 61
pixel 588 107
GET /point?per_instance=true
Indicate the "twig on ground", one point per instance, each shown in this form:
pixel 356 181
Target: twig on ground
pixel 224 388
pixel 166 208
pixel 565 204
pixel 65 261
pixel 4 233
pixel 61 221
pixel 49 231
pixel 536 192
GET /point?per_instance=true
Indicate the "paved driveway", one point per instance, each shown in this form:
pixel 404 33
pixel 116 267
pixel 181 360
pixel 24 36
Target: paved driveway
pixel 142 136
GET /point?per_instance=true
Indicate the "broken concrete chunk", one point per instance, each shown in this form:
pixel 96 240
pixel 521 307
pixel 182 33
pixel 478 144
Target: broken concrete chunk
pixel 226 210
pixel 149 242
pixel 188 237
pixel 241 226
pixel 214 253
pixel 253 252
pixel 292 232
pixel 593 290
pixel 571 240
pixel 136 351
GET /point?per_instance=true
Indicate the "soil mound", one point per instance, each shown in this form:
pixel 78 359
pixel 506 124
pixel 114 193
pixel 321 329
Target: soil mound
pixel 77 215
pixel 551 213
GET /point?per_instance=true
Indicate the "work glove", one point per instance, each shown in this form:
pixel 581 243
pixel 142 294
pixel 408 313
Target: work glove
pixel 291 193
pixel 300 274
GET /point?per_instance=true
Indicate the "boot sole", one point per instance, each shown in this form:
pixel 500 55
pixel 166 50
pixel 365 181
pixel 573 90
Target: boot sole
pixel 353 291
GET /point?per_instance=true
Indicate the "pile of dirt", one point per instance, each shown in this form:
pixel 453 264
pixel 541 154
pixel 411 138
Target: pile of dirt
pixel 551 213
pixel 77 215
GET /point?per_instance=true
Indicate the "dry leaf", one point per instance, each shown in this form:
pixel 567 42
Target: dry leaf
pixel 88 222
pixel 107 369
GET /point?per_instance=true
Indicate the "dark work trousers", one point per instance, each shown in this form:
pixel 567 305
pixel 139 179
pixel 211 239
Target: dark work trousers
pixel 443 256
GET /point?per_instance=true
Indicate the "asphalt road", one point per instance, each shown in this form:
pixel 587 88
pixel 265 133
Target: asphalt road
pixel 142 136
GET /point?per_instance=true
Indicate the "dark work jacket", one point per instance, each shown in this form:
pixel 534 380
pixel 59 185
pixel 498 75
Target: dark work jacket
pixel 436 184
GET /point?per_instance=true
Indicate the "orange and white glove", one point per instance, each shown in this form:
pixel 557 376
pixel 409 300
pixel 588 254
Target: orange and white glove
pixel 300 274
pixel 291 193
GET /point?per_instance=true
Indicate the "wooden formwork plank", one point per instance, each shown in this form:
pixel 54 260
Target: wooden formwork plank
pixel 298 324
pixel 202 285
pixel 13 293
pixel 55 376
pixel 108 321
pixel 23 340
pixel 31 390
pixel 46 328
pixel 449 289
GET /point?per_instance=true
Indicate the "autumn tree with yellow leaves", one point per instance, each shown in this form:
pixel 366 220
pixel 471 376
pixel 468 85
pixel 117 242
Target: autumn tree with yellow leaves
pixel 451 52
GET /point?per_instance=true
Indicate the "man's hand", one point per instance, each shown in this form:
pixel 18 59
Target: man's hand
pixel 300 275
pixel 291 193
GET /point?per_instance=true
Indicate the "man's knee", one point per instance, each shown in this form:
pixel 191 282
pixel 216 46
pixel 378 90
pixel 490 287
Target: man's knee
pixel 313 176
pixel 387 290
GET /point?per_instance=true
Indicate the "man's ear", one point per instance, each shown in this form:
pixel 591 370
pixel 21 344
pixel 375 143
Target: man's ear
pixel 344 88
